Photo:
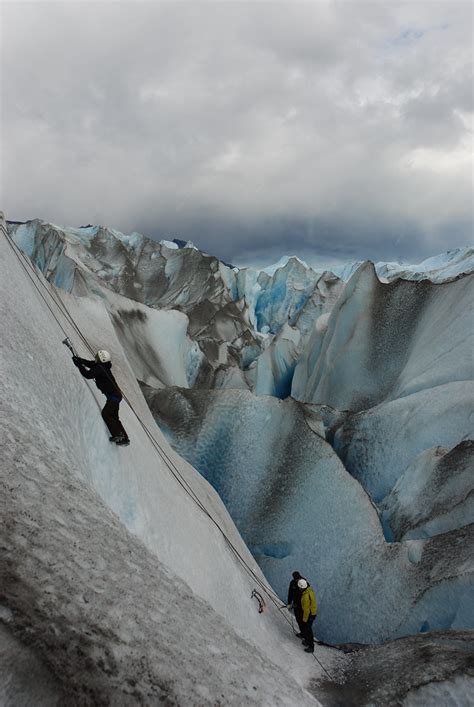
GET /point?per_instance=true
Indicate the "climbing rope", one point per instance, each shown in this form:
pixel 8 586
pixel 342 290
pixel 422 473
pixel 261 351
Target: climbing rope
pixel 32 274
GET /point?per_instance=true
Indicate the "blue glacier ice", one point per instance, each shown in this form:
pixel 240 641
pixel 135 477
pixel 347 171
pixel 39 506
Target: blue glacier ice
pixel 297 507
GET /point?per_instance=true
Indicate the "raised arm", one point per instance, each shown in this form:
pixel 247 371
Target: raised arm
pixel 81 364
pixel 83 361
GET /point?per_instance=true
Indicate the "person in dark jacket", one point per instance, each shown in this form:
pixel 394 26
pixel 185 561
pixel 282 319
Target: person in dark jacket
pixel 100 370
pixel 294 601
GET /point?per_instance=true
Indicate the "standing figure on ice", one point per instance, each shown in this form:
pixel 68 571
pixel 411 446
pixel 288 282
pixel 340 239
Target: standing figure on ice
pixel 309 607
pixel 294 601
pixel 101 371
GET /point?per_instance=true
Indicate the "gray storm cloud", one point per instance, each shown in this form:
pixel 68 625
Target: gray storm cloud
pixel 343 128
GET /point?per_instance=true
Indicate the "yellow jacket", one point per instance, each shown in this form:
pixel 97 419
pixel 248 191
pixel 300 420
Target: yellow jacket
pixel 308 603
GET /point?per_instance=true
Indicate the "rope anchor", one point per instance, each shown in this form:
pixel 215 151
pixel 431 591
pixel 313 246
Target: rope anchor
pixel 261 601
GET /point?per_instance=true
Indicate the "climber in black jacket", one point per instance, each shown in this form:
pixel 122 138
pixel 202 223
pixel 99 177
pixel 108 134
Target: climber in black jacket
pixel 101 371
pixel 294 601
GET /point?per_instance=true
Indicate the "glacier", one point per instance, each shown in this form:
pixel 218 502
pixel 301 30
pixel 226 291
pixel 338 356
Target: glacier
pixel 111 574
pixel 330 417
pixel 235 314
pixel 398 359
pixel 437 268
pixel 85 260
pixel 301 508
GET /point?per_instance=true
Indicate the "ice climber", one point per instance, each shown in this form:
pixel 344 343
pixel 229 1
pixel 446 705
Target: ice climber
pixel 294 601
pixel 309 608
pixel 101 371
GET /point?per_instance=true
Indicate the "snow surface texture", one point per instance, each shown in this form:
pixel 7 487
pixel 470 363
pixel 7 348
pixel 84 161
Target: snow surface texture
pixel 298 508
pixel 435 670
pixel 121 587
pixel 434 495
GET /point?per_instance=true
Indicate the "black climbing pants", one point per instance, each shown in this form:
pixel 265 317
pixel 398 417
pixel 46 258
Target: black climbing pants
pixel 299 616
pixel 110 414
pixel 307 631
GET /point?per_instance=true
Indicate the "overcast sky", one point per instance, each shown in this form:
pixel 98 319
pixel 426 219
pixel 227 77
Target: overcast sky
pixel 326 129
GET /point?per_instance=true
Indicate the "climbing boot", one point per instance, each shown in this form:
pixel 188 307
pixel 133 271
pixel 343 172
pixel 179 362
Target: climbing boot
pixel 123 442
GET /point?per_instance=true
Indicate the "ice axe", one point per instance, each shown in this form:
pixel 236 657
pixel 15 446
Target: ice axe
pixel 71 348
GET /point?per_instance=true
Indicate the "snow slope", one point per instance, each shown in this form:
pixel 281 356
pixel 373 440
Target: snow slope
pixel 111 574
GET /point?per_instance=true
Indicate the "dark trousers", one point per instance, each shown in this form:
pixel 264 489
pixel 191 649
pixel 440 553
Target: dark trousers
pixel 307 631
pixel 299 617
pixel 110 414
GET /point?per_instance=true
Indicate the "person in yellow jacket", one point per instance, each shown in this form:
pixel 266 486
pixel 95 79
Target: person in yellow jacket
pixel 309 607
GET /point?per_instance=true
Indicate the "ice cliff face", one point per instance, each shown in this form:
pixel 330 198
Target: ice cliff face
pixel 398 358
pixel 116 587
pixel 387 341
pixel 232 316
pixel 297 506
pixel 182 280
pixel 434 494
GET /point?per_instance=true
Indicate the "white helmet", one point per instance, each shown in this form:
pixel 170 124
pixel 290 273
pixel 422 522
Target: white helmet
pixel 302 583
pixel 102 356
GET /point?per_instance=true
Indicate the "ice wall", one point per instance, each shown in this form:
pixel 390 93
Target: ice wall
pixel 106 559
pixel 434 495
pixel 387 341
pixel 272 372
pixel 88 260
pixel 399 358
pixel 239 318
pixel 298 508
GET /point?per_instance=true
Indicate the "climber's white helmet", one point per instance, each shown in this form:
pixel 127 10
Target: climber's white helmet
pixel 102 356
pixel 302 583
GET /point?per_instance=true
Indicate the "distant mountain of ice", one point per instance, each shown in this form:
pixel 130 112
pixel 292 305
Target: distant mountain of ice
pixel 438 268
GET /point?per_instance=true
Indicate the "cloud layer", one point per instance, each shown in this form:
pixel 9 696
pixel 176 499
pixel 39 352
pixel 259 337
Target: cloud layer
pixel 338 128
